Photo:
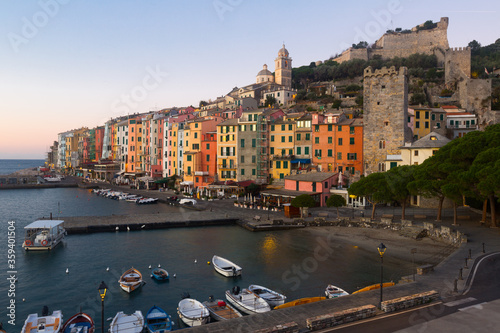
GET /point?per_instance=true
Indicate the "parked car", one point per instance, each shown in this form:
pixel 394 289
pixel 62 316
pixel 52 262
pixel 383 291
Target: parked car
pixel 187 202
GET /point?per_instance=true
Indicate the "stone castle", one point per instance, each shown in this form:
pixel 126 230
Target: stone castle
pixel 403 44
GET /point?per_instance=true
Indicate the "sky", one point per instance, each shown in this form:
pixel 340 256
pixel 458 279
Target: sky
pixel 67 64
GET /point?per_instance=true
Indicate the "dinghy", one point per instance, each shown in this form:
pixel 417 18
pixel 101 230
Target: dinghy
pixel 332 291
pixel 122 322
pixel 246 301
pixel 79 323
pixel 220 310
pixel 225 267
pixel 131 280
pixel 45 323
pixel 159 274
pixel 192 312
pixel 272 297
pixel 158 321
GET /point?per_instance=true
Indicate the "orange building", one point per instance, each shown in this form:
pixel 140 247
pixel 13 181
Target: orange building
pixel 349 147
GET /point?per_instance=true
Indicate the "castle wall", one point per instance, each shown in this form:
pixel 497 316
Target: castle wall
pixel 385 94
pixel 475 96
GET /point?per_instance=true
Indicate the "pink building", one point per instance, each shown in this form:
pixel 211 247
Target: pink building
pixel 316 184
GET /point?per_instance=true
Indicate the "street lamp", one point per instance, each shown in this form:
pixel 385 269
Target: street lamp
pixel 381 250
pixel 352 196
pixel 102 292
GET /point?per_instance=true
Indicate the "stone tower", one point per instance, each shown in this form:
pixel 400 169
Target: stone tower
pixel 283 70
pixel 457 64
pixel 385 96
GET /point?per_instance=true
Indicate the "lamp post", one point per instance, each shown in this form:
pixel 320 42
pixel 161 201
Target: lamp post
pixel 102 292
pixel 381 250
pixel 352 196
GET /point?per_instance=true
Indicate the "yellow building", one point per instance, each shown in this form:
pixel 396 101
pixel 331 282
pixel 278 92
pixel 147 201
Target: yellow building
pixel 281 147
pixel 420 150
pixel 227 136
pixel 422 122
pixel 192 149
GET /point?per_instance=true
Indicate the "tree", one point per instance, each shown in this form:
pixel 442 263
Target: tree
pixel 374 188
pixel 303 201
pixel 203 103
pixel 270 101
pixel 336 201
pixel 475 46
pixel 398 179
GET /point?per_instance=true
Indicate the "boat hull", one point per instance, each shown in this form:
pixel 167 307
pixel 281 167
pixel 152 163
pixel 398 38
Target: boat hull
pixel 158 321
pixel 131 280
pixel 192 312
pixel 247 302
pixel 133 323
pixel 225 267
pixel 272 297
pixel 52 323
pixel 79 320
pixel 300 301
pixel 221 313
pixel 333 292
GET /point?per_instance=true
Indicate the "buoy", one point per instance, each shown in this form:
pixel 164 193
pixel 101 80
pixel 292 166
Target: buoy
pixel 24 299
pixel 107 269
pixel 149 267
pixel 67 270
pixel 195 261
pixel 208 262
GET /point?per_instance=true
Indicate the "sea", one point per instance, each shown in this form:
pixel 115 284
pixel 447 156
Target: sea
pixel 8 166
pixel 297 263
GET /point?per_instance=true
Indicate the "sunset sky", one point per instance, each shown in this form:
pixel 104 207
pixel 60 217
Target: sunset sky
pixel 65 64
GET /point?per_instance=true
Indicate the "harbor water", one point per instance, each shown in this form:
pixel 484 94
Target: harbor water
pixel 294 262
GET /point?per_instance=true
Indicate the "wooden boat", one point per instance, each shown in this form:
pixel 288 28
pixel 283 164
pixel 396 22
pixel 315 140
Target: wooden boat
pixel 225 267
pixel 131 280
pixel 158 321
pixel 220 310
pixel 332 291
pixel 46 323
pixel 43 234
pixel 300 301
pixel 246 301
pixel 122 322
pixel 79 323
pixel 192 312
pixel 374 286
pixel 159 274
pixel 272 297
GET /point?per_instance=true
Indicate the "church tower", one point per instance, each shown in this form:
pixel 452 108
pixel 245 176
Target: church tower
pixel 283 68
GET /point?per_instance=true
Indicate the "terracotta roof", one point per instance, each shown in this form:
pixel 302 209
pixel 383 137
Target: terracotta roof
pixel 312 177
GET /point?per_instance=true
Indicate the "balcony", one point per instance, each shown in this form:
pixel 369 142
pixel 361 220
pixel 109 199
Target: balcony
pixel 201 173
pixel 227 167
pixel 283 157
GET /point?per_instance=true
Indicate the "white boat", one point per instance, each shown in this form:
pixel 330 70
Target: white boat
pixel 272 297
pixel 52 179
pixel 46 324
pixel 122 322
pixel 192 312
pixel 246 301
pixel 43 234
pixel 220 310
pixel 225 267
pixel 131 280
pixel 332 291
pixel 146 201
pixel 133 198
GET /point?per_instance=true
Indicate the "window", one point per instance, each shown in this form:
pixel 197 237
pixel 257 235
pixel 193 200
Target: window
pixel 299 150
pixel 189 170
pixel 272 127
pixel 253 159
pixel 314 187
pixel 298 136
pixel 340 141
pixel 283 152
pixel 254 144
pixel 381 144
pixel 316 140
pixel 285 164
pixel 242 143
pixel 196 134
pixel 290 127
pixel 330 152
pixel 352 130
pixel 441 117
pixel 415 153
pixel 253 172
pixel 381 167
pixel 433 117
pixel 339 128
pixel 308 136
pixel 330 139
pixel 196 125
pixel 242 158
pixel 282 138
pixel 351 156
pixel 426 124
pixel 426 114
pixel 290 138
pixel 330 127
pixel 242 172
pixel 317 153
pixel 306 150
pixel 417 124
pixel 316 128
pixel 208 158
pixel 417 115
pixel 272 138
pixel 296 186
pixel 282 127
pixel 208 146
pixel 272 150
pixel 451 122
pixel 339 156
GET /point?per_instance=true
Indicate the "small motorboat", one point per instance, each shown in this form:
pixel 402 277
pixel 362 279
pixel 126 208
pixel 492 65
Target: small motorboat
pixel 144 201
pixel 46 323
pixel 272 297
pixel 220 310
pixel 131 280
pixel 374 286
pixel 225 267
pixel 332 291
pixel 192 312
pixel 159 274
pixel 122 322
pixel 79 323
pixel 300 301
pixel 246 301
pixel 158 321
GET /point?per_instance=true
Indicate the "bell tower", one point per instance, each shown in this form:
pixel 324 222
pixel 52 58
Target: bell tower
pixel 283 68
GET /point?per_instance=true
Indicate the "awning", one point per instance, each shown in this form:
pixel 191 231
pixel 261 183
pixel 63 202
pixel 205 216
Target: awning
pixel 301 160
pixel 187 183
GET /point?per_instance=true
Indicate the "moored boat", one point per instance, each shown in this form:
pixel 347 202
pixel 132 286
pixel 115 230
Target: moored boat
pixel 225 267
pixel 79 323
pixel 246 301
pixel 158 321
pixel 300 301
pixel 43 234
pixel 122 322
pixel 131 280
pixel 332 291
pixel 45 323
pixel 272 297
pixel 192 312
pixel 220 310
pixel 374 286
pixel 159 274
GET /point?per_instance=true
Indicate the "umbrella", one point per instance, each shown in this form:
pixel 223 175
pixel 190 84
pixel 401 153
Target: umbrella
pixel 340 178
pixel 278 201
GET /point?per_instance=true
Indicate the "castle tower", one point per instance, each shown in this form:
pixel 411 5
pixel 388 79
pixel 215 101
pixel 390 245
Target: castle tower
pixel 385 99
pixel 283 68
pixel 457 64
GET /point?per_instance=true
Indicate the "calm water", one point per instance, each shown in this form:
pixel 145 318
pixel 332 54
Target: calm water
pixel 10 166
pixel 281 260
